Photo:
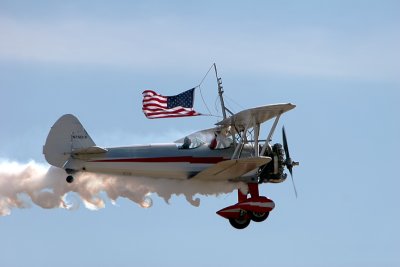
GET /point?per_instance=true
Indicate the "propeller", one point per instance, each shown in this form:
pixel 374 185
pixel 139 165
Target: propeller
pixel 289 162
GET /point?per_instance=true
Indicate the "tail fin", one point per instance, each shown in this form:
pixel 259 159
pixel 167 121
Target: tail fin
pixel 65 137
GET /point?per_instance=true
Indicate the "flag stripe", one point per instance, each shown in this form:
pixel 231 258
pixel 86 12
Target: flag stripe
pixel 172 115
pixel 151 92
pixel 174 110
pixel 155 97
pixel 154 108
pixel 154 103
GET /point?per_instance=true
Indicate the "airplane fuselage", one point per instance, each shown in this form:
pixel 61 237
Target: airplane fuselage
pixel 155 160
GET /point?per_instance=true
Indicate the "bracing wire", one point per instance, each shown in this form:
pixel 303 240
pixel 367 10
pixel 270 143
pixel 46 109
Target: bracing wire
pixel 202 80
pixel 215 104
pixel 201 93
pixel 234 102
pixel 204 102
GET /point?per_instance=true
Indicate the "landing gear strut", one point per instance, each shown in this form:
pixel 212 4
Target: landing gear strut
pixel 256 208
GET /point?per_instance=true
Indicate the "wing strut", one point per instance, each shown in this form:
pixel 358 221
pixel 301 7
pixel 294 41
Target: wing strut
pixel 271 132
pixel 242 141
pixel 256 136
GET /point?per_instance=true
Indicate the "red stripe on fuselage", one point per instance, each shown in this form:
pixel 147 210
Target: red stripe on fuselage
pixel 199 160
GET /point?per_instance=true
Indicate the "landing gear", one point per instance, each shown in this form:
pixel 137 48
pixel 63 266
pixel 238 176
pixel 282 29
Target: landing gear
pixel 258 216
pixel 256 208
pixel 240 223
pixel 69 179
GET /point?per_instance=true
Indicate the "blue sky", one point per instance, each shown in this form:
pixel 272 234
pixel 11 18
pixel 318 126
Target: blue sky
pixel 338 61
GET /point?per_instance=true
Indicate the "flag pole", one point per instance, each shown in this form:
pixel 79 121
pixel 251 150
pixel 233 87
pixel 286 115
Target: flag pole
pixel 220 92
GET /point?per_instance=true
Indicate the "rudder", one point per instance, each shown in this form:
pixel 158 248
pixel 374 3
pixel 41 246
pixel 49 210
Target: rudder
pixel 66 136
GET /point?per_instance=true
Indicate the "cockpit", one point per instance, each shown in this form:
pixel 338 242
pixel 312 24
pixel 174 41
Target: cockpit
pixel 191 143
pixel 215 142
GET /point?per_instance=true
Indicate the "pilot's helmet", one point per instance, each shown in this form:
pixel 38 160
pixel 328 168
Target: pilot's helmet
pixel 186 141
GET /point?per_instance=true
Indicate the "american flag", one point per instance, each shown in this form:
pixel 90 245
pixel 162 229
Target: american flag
pixel 158 106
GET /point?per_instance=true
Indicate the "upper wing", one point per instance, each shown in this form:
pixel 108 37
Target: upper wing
pixel 231 169
pixel 257 115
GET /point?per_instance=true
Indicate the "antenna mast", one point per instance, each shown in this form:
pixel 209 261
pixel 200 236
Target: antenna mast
pixel 220 92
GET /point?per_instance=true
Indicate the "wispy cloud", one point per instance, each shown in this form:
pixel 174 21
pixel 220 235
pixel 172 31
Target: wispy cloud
pixel 168 42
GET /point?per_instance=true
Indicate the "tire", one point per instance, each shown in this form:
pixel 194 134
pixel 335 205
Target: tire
pixel 239 223
pixel 69 179
pixel 259 216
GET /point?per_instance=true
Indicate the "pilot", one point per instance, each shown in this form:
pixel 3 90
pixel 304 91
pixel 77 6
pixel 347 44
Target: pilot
pixel 214 142
pixel 186 143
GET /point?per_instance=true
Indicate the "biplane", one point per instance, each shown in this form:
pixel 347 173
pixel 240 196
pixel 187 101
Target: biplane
pixel 230 151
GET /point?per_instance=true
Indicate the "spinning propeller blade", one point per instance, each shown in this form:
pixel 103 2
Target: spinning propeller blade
pixel 294 186
pixel 289 162
pixel 285 145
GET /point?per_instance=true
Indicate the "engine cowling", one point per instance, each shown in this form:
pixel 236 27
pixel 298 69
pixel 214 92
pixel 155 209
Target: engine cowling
pixel 273 172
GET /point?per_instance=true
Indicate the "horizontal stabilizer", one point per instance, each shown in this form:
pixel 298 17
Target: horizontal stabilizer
pixel 231 169
pixel 89 150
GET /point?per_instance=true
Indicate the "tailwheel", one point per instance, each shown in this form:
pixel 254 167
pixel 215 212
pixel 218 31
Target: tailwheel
pixel 239 223
pixel 259 216
pixel 69 179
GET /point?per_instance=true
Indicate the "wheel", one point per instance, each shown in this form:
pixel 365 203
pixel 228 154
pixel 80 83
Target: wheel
pixel 240 223
pixel 259 216
pixel 70 179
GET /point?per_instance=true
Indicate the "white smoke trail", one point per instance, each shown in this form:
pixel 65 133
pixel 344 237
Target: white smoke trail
pixel 22 184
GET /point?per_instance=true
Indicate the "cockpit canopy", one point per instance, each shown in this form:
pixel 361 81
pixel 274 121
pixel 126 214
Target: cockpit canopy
pixel 191 143
pixel 216 142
